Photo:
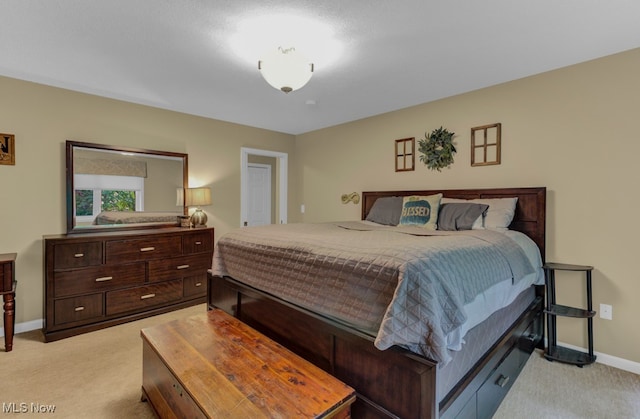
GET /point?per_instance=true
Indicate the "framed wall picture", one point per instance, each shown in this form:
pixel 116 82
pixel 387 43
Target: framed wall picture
pixel 405 154
pixel 7 149
pixel 485 145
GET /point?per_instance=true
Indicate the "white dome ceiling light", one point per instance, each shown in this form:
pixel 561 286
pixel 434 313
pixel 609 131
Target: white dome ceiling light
pixel 288 47
pixel 285 69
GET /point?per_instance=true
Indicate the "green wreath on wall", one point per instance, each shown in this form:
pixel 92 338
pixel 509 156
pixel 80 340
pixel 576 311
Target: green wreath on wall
pixel 437 149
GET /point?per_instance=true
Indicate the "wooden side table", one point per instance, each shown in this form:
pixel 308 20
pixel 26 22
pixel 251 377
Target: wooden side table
pixel 8 292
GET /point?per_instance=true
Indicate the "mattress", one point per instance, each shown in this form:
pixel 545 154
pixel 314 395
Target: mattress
pixel 418 289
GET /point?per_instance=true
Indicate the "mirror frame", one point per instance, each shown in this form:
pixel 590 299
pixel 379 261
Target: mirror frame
pixel 71 145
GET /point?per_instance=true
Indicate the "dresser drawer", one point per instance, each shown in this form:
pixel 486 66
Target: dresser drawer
pixel 134 250
pixel 77 255
pixel 137 298
pixel 197 242
pixel 78 309
pixel 174 268
pixel 101 278
pixel 195 286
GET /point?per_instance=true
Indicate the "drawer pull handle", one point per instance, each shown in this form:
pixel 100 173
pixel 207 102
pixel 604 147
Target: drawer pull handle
pixel 183 266
pixel 104 278
pixel 502 381
pixel 198 243
pixel 79 308
pixel 146 296
pixel 198 284
pixel 78 255
pixel 147 249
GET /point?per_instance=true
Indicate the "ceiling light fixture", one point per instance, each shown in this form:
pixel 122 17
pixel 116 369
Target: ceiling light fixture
pixel 285 69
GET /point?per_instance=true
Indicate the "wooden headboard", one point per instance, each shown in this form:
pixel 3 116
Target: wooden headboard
pixel 530 212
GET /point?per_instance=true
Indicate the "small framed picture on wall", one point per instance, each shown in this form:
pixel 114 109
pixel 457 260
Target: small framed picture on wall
pixel 485 145
pixel 405 154
pixel 7 149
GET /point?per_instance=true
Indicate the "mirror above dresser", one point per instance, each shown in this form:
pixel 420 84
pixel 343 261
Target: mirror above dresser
pixel 123 188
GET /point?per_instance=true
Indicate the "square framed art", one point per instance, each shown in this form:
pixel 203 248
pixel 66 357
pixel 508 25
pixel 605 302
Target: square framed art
pixel 7 149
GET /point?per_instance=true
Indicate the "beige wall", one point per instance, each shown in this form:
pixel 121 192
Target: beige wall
pixel 33 191
pixel 573 130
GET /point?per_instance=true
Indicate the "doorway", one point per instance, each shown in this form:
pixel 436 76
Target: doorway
pixel 281 182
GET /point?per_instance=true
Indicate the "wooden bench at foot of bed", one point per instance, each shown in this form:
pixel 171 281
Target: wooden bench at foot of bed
pixel 214 366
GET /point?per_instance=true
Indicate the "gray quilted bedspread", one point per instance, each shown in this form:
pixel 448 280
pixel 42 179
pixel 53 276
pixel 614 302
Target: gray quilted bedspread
pixel 404 286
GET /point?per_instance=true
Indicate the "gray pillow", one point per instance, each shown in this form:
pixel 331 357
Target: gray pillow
pixel 459 216
pixel 386 211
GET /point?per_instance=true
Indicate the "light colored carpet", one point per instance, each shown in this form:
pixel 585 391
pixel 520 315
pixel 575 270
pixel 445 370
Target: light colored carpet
pixel 553 390
pixel 99 375
pixel 94 375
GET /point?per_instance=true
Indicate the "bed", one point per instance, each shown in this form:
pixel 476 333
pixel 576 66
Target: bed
pixel 459 366
pixel 135 217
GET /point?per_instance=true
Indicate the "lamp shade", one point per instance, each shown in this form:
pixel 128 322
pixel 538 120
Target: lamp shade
pixel 285 69
pixel 196 197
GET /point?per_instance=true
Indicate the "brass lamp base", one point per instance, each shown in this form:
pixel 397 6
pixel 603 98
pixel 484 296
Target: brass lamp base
pixel 199 218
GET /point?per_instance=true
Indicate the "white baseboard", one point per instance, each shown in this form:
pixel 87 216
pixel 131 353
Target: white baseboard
pixel 25 327
pixel 612 361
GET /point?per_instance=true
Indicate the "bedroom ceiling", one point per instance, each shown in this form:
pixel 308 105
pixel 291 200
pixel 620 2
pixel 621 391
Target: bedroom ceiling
pixel 189 56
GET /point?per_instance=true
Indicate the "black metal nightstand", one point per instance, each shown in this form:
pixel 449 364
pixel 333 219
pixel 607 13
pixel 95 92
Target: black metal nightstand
pixel 559 353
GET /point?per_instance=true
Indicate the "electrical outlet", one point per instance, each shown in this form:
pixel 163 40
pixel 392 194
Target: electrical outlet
pixel 302 209
pixel 606 312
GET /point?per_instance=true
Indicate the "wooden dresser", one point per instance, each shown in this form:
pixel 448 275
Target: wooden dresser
pixel 93 281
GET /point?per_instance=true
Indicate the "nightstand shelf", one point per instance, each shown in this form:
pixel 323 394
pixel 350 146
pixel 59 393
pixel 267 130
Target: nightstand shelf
pixel 565 311
pixel 559 353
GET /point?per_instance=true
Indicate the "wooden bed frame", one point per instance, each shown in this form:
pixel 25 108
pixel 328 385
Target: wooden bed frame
pixel 396 383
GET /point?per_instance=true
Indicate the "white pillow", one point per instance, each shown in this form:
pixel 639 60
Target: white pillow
pixel 498 216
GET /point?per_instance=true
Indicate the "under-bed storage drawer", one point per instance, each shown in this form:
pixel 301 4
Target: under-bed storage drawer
pixel 498 384
pixel 495 388
pixel 487 390
pixel 132 299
